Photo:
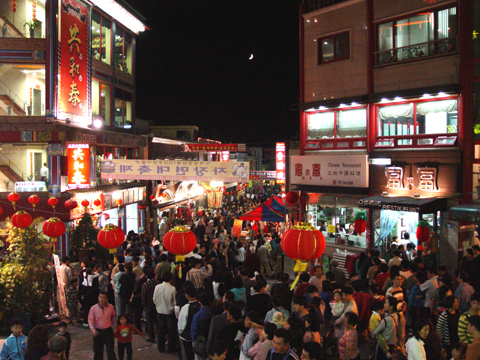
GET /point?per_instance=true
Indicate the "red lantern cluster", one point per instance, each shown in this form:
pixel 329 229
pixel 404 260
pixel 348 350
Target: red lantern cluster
pixel 292 197
pixel 21 219
pixel 54 228
pixel 14 6
pixel 111 237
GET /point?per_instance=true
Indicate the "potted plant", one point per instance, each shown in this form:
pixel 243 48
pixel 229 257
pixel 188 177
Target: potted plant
pixel 4 30
pixel 29 109
pixel 32 25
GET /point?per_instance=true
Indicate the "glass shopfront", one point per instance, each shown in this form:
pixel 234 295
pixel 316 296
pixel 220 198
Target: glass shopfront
pixel 335 217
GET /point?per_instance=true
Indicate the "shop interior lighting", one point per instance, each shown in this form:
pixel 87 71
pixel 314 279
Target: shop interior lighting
pixel 385 193
pixel 441 94
pixel 342 105
pixel 385 100
pixel 119 13
pixel 426 96
pixel 398 98
pixel 323 108
pixel 416 195
pixel 354 104
pixel 311 109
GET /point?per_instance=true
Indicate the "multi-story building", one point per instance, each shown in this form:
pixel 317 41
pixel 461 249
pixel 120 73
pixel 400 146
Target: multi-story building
pixel 67 100
pixel 389 119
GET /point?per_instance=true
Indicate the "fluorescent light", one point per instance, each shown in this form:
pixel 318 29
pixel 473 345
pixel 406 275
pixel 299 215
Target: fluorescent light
pixel 385 100
pixel 398 98
pixel 323 108
pixel 119 13
pixel 380 161
pixel 310 110
pixel 354 104
pixel 441 93
pixel 342 105
pixel 426 96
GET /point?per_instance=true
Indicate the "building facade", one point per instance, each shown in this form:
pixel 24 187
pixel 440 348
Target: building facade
pixel 388 124
pixel 67 100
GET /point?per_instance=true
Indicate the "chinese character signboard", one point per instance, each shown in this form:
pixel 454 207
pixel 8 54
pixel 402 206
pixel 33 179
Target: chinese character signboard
pixel 78 166
pixel 73 97
pixel 280 156
pixel 214 147
pixel 225 156
pixel 331 170
pixel 262 175
pixel 174 170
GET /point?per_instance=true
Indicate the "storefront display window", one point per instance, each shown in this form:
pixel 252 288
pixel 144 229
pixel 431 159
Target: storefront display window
pixel 101 101
pixel 336 223
pixel 123 109
pixel 418 36
pixel 412 121
pixel 123 50
pixel 101 38
pixel 350 125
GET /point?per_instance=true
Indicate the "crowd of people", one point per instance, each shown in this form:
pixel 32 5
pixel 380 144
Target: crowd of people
pixel 229 299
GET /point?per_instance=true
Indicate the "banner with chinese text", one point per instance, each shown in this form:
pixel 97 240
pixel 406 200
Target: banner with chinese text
pixel 73 97
pixel 214 147
pixel 330 170
pixel 280 156
pixel 237 228
pixel 174 170
pixel 78 166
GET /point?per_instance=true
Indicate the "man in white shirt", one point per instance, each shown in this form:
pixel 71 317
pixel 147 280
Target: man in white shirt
pixel 44 172
pixel 318 279
pixel 66 271
pixel 429 287
pixel 164 300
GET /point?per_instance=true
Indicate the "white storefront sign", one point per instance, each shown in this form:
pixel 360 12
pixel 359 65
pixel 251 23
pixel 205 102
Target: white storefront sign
pixel 330 170
pixel 174 170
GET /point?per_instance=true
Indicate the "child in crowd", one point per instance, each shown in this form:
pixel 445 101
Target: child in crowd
pixel 459 351
pixel 72 301
pixel 338 306
pixel 62 331
pixel 15 345
pixel 375 319
pixel 124 337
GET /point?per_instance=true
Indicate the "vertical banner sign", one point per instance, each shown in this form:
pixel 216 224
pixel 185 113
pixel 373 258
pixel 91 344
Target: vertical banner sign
pixel 280 161
pixel 78 166
pixel 218 199
pixel 62 300
pixel 73 98
pixel 211 199
pixel 225 156
pixel 237 228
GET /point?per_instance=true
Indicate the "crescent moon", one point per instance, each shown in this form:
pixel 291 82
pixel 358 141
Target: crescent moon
pixel 251 57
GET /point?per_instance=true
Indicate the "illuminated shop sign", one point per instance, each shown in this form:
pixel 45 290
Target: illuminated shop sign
pixel 78 166
pixel 73 70
pixel 280 161
pixel 214 147
pixel 331 170
pixel 225 156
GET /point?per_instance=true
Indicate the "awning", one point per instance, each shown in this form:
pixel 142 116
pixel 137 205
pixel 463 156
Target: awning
pixel 107 188
pixel 404 203
pixel 466 213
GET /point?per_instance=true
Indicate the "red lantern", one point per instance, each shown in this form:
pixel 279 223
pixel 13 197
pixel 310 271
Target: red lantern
pixel 423 231
pixel 13 198
pixel 360 223
pixel 34 200
pixel 292 197
pixel 164 195
pixel 97 202
pixel 1 210
pixel 303 243
pixel 179 241
pixel 111 237
pixel 85 203
pixel 21 219
pixel 142 207
pixel 52 202
pixel 151 197
pixel 119 202
pixel 54 228
pixel 70 204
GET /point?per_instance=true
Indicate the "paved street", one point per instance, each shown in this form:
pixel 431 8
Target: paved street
pixel 82 345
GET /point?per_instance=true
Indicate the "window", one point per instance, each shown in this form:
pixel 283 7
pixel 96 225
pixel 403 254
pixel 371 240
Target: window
pixel 101 38
pixel 101 101
pixel 347 125
pixel 334 48
pixel 123 50
pixel 417 120
pixel 418 36
pixel 123 109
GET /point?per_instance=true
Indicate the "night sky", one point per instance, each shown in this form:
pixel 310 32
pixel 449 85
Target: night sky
pixel 193 67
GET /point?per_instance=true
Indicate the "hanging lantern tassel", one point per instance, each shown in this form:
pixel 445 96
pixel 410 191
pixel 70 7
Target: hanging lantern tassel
pixel 112 251
pixel 300 267
pixel 180 259
pixel 53 240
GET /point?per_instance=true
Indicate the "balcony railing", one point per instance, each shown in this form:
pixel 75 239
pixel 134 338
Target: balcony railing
pixel 417 51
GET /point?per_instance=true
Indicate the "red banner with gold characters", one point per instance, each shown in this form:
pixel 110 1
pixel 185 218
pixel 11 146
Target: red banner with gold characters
pixel 73 98
pixel 78 166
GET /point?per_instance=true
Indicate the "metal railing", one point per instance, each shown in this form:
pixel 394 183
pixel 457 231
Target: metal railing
pixel 417 51
pixel 14 100
pixel 6 161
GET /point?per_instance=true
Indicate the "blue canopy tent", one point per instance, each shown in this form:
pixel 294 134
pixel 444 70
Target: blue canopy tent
pixel 276 204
